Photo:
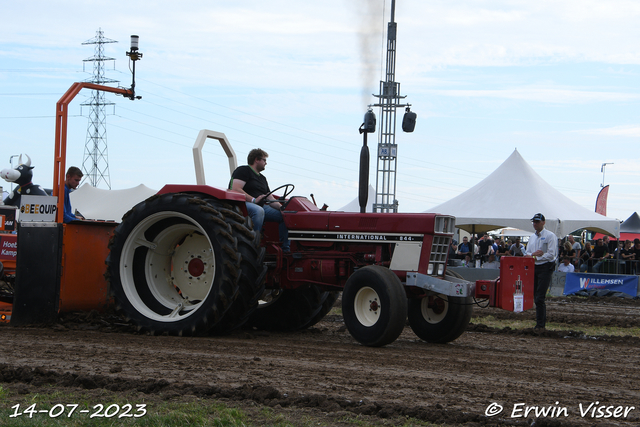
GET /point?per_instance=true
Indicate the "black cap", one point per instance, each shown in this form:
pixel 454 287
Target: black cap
pixel 538 217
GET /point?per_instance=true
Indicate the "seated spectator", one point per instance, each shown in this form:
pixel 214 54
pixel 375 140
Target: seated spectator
pixel 491 262
pixel 517 249
pixel 567 251
pixel 566 266
pixel 467 262
pixel 464 248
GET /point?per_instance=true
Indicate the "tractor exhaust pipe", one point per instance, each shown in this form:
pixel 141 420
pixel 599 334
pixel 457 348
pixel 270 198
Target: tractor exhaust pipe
pixel 363 183
pixel 369 126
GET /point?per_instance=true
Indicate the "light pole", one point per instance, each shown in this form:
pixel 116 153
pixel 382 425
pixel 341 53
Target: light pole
pixel 602 170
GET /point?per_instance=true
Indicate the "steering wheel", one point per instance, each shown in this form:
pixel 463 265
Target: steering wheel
pixel 288 189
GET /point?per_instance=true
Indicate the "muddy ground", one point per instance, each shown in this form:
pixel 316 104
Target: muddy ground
pixel 322 376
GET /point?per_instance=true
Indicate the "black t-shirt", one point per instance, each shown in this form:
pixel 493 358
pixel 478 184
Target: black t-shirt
pixel 255 183
pixel 484 247
pixel 599 251
pixel 626 252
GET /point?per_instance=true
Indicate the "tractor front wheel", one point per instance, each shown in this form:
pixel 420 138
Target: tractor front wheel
pixel 374 306
pixel 439 318
pixel 174 266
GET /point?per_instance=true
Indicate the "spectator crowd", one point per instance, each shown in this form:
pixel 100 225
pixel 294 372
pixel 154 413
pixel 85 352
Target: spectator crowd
pixel 601 255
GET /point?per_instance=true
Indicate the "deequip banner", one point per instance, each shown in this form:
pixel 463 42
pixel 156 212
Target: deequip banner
pixel 38 208
pixel 581 281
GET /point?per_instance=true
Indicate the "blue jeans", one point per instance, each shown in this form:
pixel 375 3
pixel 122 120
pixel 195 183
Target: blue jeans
pixel 596 268
pixel 260 214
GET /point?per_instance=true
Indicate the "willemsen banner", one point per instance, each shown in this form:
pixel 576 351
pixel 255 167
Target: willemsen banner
pixel 581 281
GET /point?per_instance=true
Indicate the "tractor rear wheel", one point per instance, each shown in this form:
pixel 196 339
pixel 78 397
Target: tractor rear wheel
pixel 174 266
pixel 328 299
pixel 439 318
pixel 252 273
pixel 374 306
pixel 289 310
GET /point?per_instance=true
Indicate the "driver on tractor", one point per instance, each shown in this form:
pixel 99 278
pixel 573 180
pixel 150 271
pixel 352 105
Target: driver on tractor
pixel 261 204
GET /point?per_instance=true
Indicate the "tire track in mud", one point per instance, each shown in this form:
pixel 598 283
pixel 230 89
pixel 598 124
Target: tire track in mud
pixel 461 378
pixel 326 369
pixel 600 312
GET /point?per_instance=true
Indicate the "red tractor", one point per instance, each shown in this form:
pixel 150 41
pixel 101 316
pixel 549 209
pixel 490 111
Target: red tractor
pixel 187 262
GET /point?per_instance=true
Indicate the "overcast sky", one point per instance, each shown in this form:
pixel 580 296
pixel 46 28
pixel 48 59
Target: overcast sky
pixel 556 80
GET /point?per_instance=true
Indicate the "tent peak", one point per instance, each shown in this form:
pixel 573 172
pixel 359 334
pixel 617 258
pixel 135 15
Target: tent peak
pixel 512 194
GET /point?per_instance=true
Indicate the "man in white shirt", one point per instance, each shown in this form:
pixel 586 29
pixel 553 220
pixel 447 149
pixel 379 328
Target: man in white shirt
pixel 575 245
pixel 566 266
pixel 491 262
pixel 543 247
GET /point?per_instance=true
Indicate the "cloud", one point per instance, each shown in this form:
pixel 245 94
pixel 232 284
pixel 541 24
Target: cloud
pixel 539 94
pixel 627 131
pixel 500 33
pixel 483 76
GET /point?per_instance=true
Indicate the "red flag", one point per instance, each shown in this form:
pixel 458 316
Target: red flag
pixel 601 201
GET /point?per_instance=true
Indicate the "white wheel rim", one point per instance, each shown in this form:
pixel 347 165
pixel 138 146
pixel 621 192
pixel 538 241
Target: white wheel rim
pixel 179 267
pixel 434 308
pixel 367 306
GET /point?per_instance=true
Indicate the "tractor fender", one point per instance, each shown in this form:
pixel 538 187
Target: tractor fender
pixel 214 192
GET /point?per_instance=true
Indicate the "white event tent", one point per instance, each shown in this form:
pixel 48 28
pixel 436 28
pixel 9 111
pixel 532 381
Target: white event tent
pixel 354 205
pixel 512 195
pixel 107 205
